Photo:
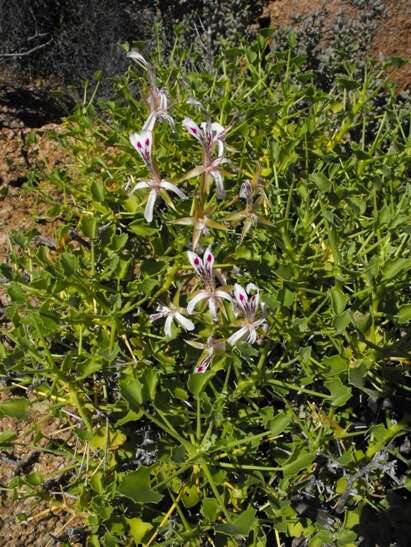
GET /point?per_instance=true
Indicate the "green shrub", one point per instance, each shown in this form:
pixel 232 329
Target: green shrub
pixel 187 435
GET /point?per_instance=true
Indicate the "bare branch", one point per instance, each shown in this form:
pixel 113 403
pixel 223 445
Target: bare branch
pixel 28 52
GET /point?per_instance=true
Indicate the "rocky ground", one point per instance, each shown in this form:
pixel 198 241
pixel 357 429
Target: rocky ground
pixel 376 28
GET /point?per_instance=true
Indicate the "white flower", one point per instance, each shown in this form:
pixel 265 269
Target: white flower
pixel 136 56
pixel 207 134
pixel 248 306
pixel 172 314
pixel 209 349
pixel 213 169
pixel 158 102
pixel 204 268
pixel 143 143
pixel 246 190
pixel 156 187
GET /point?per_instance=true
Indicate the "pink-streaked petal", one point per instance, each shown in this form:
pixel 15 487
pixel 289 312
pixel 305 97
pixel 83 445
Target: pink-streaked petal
pixel 184 322
pixel 202 295
pixel 203 365
pixel 167 325
pixel 240 296
pixel 222 294
pixel 193 129
pixel 208 260
pixel 143 142
pixel 195 261
pixel 237 336
pixel 172 188
pixel 254 302
pixel 148 212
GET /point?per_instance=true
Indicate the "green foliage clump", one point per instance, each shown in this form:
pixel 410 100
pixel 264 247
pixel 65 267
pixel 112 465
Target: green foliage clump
pixel 186 434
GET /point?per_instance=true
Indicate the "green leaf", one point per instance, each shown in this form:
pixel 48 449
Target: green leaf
pixel 348 83
pixel 142 230
pixel 150 381
pixel 190 496
pixel 139 529
pixel 6 437
pixel 89 367
pixel 16 293
pixel 321 181
pixel 136 486
pixel 339 300
pixel 340 393
pixel 241 525
pixel 210 508
pixel 336 364
pixel 97 191
pixel 394 267
pixel 362 321
pixel 131 416
pixel 301 459
pixel 69 263
pixel 197 382
pixel 132 391
pixel 279 423
pixel 404 313
pixel 15 408
pixel 89 226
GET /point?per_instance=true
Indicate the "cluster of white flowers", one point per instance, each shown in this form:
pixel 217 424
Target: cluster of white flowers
pixel 246 302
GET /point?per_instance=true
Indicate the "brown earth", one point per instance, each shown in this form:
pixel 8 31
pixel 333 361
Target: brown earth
pixel 392 37
pixel 26 520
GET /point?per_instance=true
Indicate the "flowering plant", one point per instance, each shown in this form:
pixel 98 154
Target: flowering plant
pixel 221 312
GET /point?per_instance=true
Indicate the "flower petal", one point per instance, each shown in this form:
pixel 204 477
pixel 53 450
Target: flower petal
pixel 143 143
pixel 219 182
pixel 148 212
pixel 172 188
pixel 136 56
pixel 167 325
pixel 202 295
pixel 252 335
pixel 237 336
pixel 163 100
pixel 246 190
pixel 222 294
pixel 142 184
pixel 195 261
pixel 208 260
pixel 240 296
pixel 184 322
pixel 203 365
pixel 150 122
pixel 213 308
pixel 193 129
